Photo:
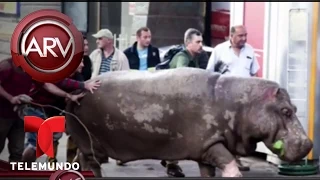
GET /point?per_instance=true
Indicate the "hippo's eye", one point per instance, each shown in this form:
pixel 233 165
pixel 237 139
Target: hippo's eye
pixel 295 109
pixel 287 112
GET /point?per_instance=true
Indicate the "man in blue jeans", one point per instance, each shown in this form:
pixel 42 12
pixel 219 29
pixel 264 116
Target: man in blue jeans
pixel 32 136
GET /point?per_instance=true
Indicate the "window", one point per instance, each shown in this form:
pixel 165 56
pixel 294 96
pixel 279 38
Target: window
pixel 297 60
pixel 78 12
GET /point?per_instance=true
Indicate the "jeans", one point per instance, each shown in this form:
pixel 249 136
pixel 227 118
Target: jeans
pixel 31 136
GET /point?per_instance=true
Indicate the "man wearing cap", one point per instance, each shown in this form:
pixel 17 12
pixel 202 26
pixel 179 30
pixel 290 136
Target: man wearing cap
pixel 107 57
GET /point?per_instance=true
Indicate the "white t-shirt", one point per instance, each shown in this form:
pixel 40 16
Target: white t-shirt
pixel 244 65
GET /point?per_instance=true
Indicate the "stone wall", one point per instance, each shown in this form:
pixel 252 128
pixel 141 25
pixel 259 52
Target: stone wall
pixel 7 23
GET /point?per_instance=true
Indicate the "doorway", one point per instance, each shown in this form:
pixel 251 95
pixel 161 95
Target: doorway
pixel 217 22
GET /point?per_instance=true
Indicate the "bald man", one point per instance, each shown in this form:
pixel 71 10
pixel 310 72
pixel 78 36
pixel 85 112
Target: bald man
pixel 236 53
pixel 239 57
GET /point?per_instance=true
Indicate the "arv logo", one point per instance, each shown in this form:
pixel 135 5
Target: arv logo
pixel 47 45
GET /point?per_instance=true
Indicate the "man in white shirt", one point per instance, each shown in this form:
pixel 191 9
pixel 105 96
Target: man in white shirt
pixel 239 58
pixel 236 54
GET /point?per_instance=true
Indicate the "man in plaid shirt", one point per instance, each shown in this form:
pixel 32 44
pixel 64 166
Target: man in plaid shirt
pixel 44 95
pixel 14 85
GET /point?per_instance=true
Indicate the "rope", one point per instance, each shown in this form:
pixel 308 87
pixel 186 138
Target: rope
pixel 73 115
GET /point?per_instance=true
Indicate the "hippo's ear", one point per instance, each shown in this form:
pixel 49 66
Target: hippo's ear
pixel 271 93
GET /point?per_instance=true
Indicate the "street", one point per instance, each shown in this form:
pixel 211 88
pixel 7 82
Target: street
pixel 152 168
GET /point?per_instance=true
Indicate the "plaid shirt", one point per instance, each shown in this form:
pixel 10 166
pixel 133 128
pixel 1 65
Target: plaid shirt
pixel 42 96
pixel 15 83
pixel 60 102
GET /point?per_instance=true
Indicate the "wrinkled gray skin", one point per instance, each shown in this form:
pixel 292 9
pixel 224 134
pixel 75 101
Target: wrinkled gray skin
pixel 185 114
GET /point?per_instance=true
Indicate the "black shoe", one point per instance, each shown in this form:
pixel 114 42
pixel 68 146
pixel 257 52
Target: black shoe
pixel 119 163
pixel 163 163
pixel 241 166
pixel 244 168
pixel 174 170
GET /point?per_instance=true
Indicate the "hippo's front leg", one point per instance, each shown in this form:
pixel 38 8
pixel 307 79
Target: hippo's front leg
pixel 218 155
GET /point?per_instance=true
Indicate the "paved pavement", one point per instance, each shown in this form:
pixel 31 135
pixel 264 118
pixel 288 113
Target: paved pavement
pixel 152 168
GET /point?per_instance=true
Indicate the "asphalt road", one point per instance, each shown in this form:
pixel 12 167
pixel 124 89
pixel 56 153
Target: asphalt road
pixel 152 168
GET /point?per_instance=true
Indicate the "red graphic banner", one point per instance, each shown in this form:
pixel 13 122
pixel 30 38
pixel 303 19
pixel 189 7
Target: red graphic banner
pixel 220 24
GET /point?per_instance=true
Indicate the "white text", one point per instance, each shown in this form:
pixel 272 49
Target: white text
pixel 34 47
pixel 42 166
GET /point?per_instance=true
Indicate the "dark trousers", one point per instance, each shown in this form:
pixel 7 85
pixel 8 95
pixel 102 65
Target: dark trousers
pixel 13 129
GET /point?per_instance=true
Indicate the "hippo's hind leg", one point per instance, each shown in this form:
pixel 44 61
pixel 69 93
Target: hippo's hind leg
pixel 220 156
pixel 88 163
pixel 88 152
pixel 207 170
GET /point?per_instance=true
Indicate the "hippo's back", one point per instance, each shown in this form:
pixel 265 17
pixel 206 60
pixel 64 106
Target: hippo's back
pixel 184 81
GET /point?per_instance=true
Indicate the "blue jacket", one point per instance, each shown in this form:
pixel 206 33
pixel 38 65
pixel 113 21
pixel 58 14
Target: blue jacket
pixel 133 57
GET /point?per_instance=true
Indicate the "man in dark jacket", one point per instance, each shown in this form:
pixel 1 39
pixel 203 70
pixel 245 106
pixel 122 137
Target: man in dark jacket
pixel 142 55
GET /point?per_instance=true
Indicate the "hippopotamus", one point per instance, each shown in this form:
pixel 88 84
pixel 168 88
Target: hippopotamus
pixel 185 114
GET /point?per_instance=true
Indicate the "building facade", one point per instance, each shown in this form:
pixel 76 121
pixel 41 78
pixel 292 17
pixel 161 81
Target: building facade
pixel 11 13
pixel 167 20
